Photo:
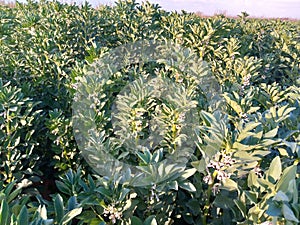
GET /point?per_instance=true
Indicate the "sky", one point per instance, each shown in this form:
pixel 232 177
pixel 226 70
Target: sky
pixel 256 8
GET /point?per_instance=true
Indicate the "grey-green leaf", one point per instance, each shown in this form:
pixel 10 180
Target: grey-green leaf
pixel 70 215
pixel 188 186
pixel 288 174
pixel 59 208
pixel 289 214
pixel 23 216
pixel 4 213
pixel 275 170
pixel 150 220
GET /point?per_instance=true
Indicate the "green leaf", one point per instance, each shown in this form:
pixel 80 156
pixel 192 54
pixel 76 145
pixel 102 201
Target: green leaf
pixel 188 173
pixel 43 212
pixel 123 194
pixel 268 142
pixel 252 180
pixel 200 165
pixel 289 214
pixel 273 210
pixel 96 221
pixel 46 222
pixel 233 104
pixel 242 147
pixel 13 109
pixel 252 196
pixel 59 208
pixel 2 196
pixel 62 187
pixel 241 206
pixel 283 151
pixel 194 206
pixel 275 170
pixel 271 133
pixel 4 213
pixel 188 186
pixel 246 131
pixel 293 191
pixel 9 188
pixel 23 216
pixel 208 118
pixel 245 156
pixel 266 184
pixel 70 215
pixel 223 201
pixel 292 145
pixel 281 197
pixel 283 113
pixel 288 174
pixel 72 203
pixel 107 193
pixel 13 195
pixel 157 155
pixel 173 185
pixel 150 220
pixel 250 126
pixel 135 221
pixel 229 185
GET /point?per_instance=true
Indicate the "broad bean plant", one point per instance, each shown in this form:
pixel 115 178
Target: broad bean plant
pixel 244 163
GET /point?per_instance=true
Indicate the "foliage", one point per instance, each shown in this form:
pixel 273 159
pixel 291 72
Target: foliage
pixel 245 166
pixel 18 125
pixel 14 210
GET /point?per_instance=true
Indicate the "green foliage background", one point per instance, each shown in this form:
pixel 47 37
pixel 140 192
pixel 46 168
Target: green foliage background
pixel 252 178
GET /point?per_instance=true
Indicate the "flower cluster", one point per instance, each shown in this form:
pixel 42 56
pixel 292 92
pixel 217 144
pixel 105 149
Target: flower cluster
pixel 178 78
pixel 218 165
pixel 246 80
pixel 181 118
pixel 154 194
pixel 244 117
pixel 137 122
pixel 113 214
pixel 258 171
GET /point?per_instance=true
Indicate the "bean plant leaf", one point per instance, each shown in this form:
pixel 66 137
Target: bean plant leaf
pixel 4 213
pixel 23 216
pixel 288 174
pixel 135 221
pixel 289 214
pixel 275 169
pixel 150 221
pixel 59 208
pixel 70 215
pixel 229 185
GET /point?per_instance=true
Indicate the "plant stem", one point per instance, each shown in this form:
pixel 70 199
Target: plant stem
pixel 207 202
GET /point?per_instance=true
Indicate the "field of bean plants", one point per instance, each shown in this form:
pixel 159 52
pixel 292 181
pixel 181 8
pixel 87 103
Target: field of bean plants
pixel 243 164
